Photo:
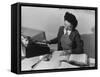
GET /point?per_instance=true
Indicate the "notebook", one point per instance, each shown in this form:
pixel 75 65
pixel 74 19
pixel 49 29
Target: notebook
pixel 78 59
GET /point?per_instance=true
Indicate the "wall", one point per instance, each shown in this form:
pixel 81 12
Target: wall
pixel 49 19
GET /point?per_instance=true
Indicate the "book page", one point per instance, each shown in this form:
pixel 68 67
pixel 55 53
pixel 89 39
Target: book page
pixel 80 58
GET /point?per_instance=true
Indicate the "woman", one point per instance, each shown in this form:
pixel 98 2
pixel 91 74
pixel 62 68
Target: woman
pixel 68 37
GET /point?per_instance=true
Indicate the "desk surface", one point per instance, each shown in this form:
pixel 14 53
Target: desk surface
pixel 54 63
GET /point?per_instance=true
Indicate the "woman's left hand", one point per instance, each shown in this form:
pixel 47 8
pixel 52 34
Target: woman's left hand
pixel 67 52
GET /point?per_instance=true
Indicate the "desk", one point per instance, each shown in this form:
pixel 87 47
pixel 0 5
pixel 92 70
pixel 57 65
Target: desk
pixel 54 63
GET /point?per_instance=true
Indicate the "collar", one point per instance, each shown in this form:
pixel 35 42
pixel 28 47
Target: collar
pixel 68 31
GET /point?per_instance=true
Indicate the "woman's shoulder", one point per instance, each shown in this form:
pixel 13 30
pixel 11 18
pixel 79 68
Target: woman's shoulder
pixel 75 31
pixel 61 27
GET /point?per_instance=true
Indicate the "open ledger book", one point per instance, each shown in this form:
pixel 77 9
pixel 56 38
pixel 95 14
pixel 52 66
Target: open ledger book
pixel 77 59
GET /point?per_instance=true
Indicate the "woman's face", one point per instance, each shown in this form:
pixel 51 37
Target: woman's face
pixel 24 40
pixel 68 25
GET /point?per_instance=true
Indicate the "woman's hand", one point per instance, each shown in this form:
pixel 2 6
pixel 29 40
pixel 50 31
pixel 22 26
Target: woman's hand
pixel 66 52
pixel 69 51
pixel 45 41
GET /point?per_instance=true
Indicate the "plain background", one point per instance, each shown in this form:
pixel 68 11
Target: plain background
pixel 50 19
pixel 5 39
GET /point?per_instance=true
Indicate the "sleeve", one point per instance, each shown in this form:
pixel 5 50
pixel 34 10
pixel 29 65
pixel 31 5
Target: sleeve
pixel 79 44
pixel 53 41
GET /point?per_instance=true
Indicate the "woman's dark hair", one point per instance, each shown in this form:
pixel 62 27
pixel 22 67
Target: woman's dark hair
pixel 71 18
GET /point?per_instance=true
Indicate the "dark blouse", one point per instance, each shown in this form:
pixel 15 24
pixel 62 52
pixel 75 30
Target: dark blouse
pixel 66 43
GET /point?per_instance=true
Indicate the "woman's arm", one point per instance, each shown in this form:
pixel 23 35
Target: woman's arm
pixel 53 41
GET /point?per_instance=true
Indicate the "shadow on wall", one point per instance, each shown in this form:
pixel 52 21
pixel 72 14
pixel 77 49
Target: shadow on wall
pixel 34 34
pixel 89 43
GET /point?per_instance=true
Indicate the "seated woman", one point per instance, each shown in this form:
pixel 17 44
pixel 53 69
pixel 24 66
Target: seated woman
pixel 68 37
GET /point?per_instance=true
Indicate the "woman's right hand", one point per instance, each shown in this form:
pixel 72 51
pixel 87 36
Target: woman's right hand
pixel 45 41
